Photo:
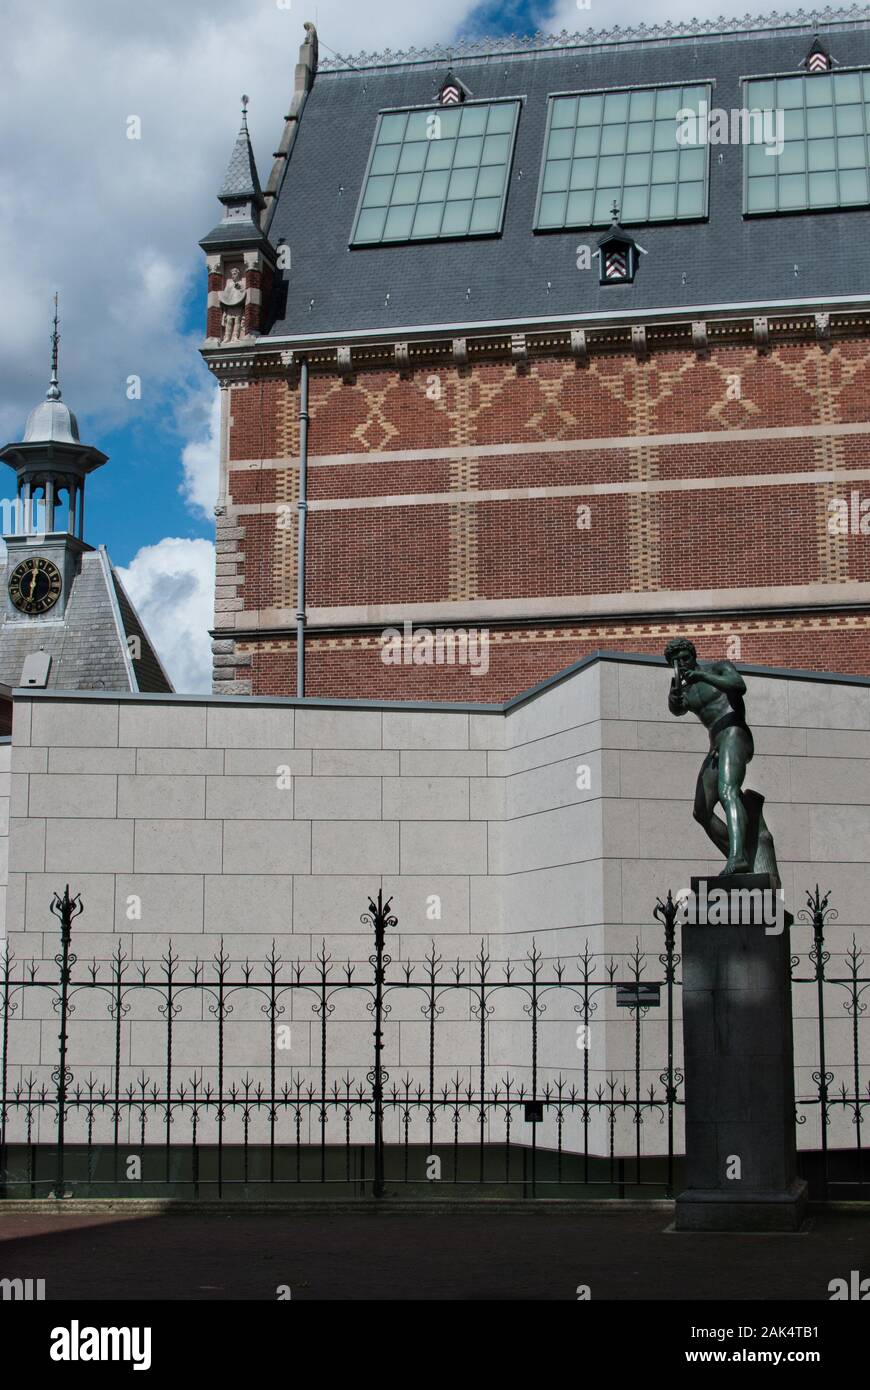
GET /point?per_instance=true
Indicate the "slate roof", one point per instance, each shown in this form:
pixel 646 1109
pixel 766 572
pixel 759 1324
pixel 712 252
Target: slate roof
pixel 240 180
pixel 521 275
pixel 87 648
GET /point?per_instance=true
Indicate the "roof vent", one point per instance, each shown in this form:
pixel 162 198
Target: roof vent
pixel 818 59
pixel 619 254
pixel 36 669
pixel 452 92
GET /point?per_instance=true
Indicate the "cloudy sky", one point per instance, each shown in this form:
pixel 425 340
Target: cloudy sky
pixel 113 224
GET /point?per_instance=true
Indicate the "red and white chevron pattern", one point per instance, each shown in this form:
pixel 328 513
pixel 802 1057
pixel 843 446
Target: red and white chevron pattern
pixel 615 265
pixel 819 62
pixel 450 96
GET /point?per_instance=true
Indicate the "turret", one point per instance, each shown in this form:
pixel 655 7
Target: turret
pixel 240 258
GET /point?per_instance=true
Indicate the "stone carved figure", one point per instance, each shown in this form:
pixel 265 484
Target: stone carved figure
pixel 714 691
pixel 233 298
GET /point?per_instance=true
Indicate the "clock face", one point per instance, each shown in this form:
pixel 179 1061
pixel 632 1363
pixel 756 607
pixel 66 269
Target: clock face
pixel 35 585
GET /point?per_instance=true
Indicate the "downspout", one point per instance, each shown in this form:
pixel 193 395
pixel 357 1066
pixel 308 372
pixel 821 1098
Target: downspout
pixel 302 508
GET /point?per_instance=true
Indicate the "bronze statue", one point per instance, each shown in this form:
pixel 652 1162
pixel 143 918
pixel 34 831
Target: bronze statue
pixel 714 691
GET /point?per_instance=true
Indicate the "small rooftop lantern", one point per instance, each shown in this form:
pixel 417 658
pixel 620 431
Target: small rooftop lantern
pixel 818 59
pixel 452 92
pixel 618 254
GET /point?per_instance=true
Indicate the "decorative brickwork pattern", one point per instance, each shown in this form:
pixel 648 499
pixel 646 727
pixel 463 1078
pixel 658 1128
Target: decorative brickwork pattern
pixel 349 666
pixel 698 471
pixel 824 378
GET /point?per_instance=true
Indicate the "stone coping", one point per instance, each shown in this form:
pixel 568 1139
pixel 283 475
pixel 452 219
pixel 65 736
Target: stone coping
pixel 446 706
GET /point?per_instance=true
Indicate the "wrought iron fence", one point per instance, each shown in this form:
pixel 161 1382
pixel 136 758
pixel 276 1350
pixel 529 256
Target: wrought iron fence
pixel 845 1092
pixel 505 1117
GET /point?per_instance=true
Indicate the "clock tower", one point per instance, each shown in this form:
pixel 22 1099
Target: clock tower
pixel 65 619
pixel 45 541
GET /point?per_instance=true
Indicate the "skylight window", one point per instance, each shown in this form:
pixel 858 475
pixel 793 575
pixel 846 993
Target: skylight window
pixel 621 147
pixel 435 173
pixel 823 158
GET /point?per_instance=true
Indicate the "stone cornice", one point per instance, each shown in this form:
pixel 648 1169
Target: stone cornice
pixel 581 338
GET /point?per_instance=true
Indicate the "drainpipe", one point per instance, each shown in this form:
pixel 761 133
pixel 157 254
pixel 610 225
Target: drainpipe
pixel 302 508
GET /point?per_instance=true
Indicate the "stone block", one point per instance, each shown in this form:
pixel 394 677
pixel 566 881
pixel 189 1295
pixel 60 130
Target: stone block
pixel 75 724
pixel 175 846
pixel 29 759
pixel 486 731
pixel 162 725
pixel 248 798
pixel 444 847
pixel 89 761
pixel 266 847
pixel 241 903
pixel 324 904
pixel 355 847
pixel 338 798
pixel 355 762
pixel 73 794
pixel 159 796
pixel 442 763
pixel 77 846
pixel 425 729
pixel 425 798
pixel 823 705
pixel 338 728
pixel 265 762
pixel 175 762
pixel 168 902
pixel 250 726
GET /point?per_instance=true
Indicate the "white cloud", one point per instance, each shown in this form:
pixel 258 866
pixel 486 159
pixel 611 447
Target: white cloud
pixel 119 240
pixel 172 587
pixel 576 18
pixel 200 458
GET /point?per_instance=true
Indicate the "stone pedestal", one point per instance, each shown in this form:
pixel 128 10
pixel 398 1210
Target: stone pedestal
pixel 738 1061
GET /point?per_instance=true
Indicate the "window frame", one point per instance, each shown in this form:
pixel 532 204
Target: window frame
pixel 552 97
pixel 515 101
pixel 827 208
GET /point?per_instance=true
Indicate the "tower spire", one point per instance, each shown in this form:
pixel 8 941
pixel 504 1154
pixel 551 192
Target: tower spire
pixel 53 392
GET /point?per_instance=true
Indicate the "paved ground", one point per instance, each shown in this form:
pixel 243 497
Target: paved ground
pixel 532 1254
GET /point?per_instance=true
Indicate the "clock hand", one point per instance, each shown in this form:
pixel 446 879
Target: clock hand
pixel 33 577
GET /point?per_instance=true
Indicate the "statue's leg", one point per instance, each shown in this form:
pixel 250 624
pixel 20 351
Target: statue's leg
pixel 735 750
pixel 760 849
pixel 706 796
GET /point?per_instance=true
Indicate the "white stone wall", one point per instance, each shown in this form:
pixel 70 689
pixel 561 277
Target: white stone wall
pixel 168 817
pixel 5 785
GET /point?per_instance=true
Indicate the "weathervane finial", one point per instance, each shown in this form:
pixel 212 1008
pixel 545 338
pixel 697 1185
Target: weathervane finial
pixel 53 392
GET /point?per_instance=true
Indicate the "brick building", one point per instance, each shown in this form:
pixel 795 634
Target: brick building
pixel 512 346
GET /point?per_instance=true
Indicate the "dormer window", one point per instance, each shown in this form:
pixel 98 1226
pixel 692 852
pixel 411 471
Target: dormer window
pixel 452 92
pixel 618 253
pixel 815 155
pixel 437 172
pixel 818 59
pixel 624 145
